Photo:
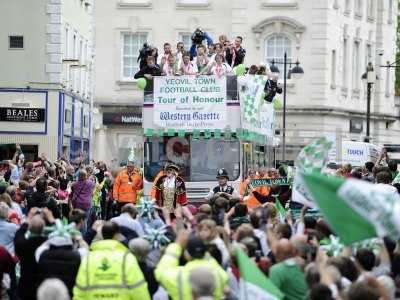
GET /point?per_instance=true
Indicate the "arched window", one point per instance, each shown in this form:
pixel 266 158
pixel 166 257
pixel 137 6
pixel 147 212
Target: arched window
pixel 275 48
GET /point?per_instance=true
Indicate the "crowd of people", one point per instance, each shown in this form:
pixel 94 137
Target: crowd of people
pixel 213 58
pixel 83 231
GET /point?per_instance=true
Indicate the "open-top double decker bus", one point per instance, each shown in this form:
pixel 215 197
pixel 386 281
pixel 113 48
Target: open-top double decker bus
pixel 203 123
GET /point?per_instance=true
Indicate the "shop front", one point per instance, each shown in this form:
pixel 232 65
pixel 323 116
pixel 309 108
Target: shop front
pixel 118 135
pixel 43 121
pixel 24 119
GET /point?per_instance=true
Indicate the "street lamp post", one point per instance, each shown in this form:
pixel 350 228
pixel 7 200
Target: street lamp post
pixel 370 76
pixel 296 72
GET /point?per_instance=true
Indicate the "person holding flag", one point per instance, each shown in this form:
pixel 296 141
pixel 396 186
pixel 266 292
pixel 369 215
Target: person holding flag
pixel 247 191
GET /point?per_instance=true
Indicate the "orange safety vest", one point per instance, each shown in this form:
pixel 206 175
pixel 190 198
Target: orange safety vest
pixel 125 186
pixel 252 200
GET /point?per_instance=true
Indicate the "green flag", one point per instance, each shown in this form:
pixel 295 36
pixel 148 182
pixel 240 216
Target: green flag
pixel 356 210
pixel 253 283
pixel 271 181
pixel 312 158
pixel 396 179
pixel 281 211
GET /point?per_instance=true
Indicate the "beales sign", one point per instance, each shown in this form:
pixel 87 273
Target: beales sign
pixel 15 114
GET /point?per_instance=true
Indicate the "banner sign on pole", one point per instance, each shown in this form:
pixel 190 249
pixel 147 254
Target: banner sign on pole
pixel 257 115
pixel 190 102
pixel 271 181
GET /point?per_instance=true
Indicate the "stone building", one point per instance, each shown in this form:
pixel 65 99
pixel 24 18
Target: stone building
pixel 45 78
pixel 333 40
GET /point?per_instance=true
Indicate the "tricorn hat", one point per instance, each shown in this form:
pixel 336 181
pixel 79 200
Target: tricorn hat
pixel 172 166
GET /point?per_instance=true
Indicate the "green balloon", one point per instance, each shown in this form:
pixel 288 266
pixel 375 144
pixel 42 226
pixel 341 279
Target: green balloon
pixel 277 103
pixel 141 83
pixel 240 70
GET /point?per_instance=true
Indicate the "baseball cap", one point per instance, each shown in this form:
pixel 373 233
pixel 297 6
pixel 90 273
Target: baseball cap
pixel 196 247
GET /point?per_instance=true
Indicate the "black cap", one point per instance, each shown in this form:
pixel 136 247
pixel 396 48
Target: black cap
pixel 196 247
pixel 222 173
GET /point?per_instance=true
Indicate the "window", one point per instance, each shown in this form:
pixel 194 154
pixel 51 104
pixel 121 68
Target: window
pixel 279 3
pixel 197 159
pixel 186 39
pixel 368 54
pixel 85 121
pixel 390 11
pixel 387 83
pixel 131 42
pixel 74 47
pixel 344 64
pixel 66 43
pixel 275 48
pixel 370 9
pixel 358 8
pixel 67 116
pixel 16 42
pixel 347 7
pixel 356 66
pixel 192 2
pixel 333 69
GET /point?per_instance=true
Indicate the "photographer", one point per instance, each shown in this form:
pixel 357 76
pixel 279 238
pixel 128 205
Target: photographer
pixel 271 88
pixel 235 53
pixel 198 37
pixel 148 72
pixel 144 53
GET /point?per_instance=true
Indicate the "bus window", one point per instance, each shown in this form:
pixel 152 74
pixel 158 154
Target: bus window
pixel 198 159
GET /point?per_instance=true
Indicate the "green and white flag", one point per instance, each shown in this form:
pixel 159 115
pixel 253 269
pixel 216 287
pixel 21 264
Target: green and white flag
pixel 396 179
pixel 281 211
pixel 271 181
pixel 312 158
pixel 356 210
pixel 254 285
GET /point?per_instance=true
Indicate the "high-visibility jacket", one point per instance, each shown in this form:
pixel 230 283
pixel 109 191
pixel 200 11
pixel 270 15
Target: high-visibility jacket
pixel 125 186
pixel 110 271
pixel 175 278
pixel 247 193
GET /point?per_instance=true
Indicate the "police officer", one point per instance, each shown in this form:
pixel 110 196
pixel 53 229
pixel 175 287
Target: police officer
pixel 222 189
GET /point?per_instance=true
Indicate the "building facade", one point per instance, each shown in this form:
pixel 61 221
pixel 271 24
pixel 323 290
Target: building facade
pixel 333 40
pixel 45 77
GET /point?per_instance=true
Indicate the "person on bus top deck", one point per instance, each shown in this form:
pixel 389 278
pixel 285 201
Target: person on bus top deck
pixel 223 189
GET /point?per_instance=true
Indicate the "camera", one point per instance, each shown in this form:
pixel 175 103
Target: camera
pixel 198 36
pixel 144 52
pixel 271 88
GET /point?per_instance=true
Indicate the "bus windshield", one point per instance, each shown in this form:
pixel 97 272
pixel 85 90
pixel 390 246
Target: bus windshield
pixel 198 159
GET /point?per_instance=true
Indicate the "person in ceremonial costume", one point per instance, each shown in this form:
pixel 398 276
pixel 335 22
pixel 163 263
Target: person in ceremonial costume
pixel 171 191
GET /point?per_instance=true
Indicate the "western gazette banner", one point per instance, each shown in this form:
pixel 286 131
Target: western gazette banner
pixel 190 102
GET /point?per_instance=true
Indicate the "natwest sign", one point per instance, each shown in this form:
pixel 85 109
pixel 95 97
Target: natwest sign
pixel 16 114
pixel 122 118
